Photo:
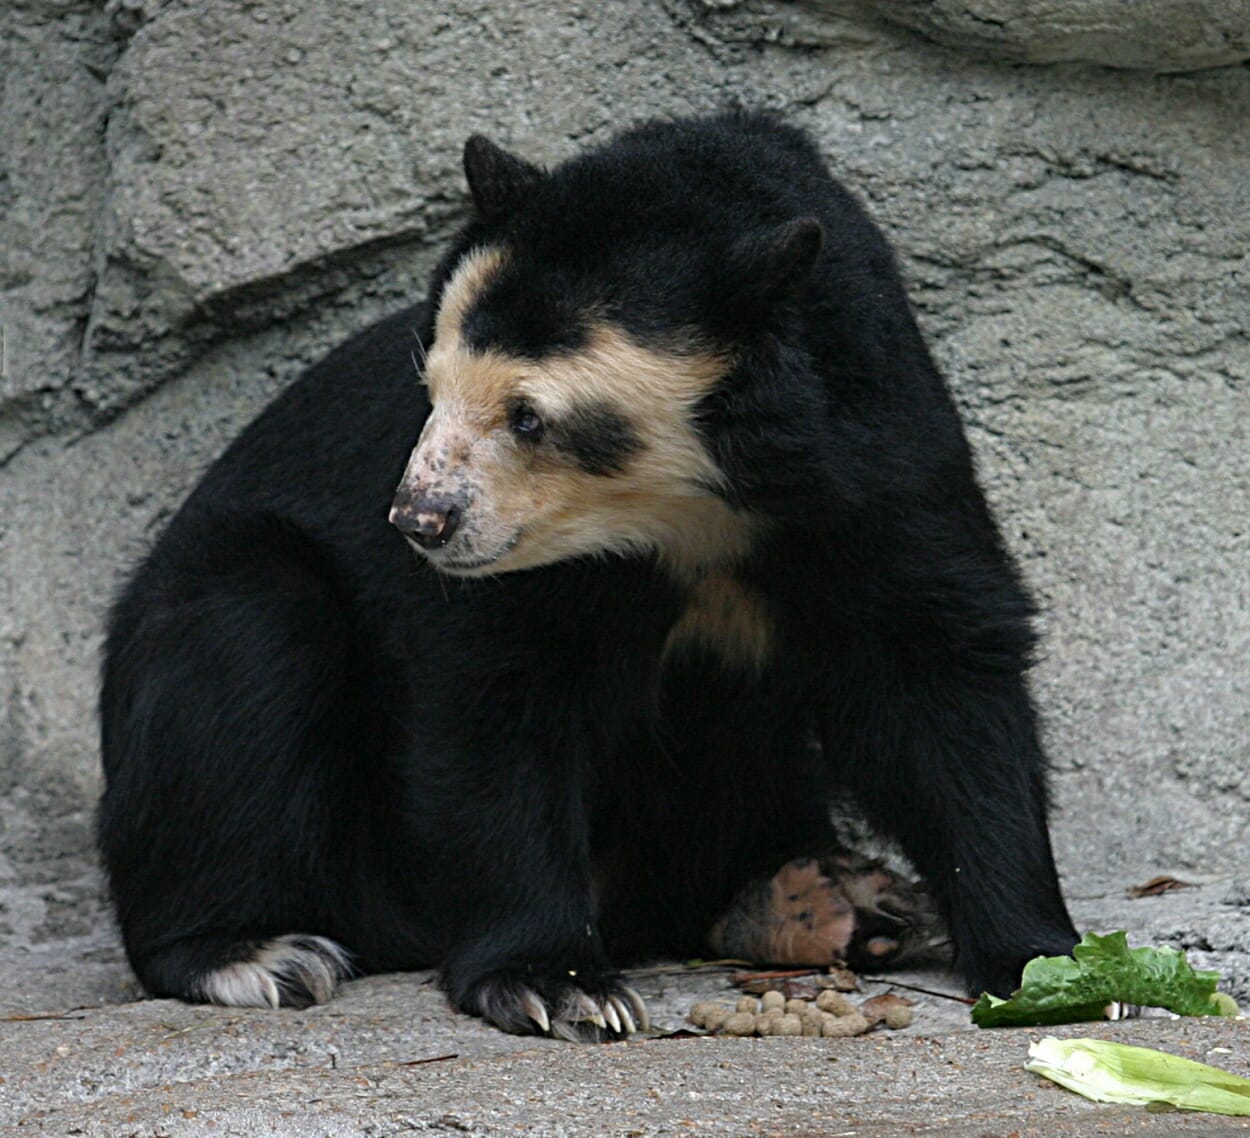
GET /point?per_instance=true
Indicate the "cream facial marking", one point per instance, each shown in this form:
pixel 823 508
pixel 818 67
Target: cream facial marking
pixel 476 270
pixel 606 460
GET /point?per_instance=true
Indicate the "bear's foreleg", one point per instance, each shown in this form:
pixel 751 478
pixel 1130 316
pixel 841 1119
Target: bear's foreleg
pixel 944 756
pixel 514 874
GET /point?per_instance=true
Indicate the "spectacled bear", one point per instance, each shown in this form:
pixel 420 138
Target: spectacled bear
pixel 689 542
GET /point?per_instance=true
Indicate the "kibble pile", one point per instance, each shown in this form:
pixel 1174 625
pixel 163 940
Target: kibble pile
pixel 830 1015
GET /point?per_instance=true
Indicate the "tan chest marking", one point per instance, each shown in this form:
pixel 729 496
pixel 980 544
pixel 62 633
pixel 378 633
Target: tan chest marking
pixel 725 616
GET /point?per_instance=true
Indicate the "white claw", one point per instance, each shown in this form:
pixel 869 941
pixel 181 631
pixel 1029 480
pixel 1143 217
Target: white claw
pixel 641 1018
pixel 533 1007
pixel 610 1016
pixel 622 1011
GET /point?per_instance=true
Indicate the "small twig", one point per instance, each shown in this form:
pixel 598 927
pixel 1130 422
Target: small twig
pixel 784 974
pixel 431 1059
pixel 916 988
pixel 33 1018
pixel 686 968
pixel 174 1032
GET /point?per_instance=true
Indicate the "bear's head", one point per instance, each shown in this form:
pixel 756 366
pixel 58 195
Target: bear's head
pixel 577 342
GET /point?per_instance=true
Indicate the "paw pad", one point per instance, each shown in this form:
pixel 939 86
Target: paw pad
pixel 814 911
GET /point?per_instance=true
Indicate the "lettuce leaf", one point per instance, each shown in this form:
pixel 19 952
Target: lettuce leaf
pixel 1101 971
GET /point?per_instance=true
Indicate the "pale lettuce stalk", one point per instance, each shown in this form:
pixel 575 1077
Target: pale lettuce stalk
pixel 1116 1072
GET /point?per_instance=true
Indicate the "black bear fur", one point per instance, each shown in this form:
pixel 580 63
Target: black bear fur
pixel 312 737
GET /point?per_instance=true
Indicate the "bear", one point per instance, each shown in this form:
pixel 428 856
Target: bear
pixel 532 632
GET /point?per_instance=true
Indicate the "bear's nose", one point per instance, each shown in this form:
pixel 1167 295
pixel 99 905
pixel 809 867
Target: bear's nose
pixel 430 523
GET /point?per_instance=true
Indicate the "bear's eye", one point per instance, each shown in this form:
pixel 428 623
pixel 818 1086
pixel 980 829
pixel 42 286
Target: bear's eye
pixel 525 422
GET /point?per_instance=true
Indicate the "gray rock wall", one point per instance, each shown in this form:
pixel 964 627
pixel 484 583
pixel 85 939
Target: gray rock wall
pixel 198 197
pixel 1154 35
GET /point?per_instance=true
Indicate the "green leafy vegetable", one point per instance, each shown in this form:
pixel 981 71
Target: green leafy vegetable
pixel 1116 1072
pixel 1101 971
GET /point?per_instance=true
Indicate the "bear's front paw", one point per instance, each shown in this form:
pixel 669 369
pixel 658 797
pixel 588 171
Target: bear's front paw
pixel 559 1005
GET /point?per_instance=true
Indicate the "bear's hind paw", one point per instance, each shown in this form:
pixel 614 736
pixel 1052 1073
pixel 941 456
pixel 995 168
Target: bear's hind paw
pixel 813 911
pixel 296 970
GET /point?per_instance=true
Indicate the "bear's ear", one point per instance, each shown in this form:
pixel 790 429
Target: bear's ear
pixel 498 180
pixel 774 263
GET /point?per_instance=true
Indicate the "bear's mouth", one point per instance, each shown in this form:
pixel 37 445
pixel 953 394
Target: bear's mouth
pixel 462 565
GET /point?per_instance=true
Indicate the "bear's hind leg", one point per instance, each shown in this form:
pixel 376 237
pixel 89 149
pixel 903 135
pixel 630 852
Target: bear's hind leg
pixel 237 700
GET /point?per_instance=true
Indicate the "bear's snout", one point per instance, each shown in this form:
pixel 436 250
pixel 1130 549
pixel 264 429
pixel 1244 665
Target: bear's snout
pixel 428 520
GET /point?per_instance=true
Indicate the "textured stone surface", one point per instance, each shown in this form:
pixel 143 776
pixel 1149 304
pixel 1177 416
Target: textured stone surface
pixel 52 178
pixel 196 198
pixel 1154 35
pixel 385 1063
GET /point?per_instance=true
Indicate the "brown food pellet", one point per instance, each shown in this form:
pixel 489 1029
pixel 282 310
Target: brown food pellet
pixel 740 1023
pixel 839 1027
pixel 878 1009
pixel 898 1017
pixel 715 1019
pixel 788 1025
pixel 702 1012
pixel 834 1002
pixel 747 1004
pixel 771 1000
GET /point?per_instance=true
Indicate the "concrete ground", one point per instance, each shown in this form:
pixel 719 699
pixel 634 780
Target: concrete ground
pixel 81 1054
